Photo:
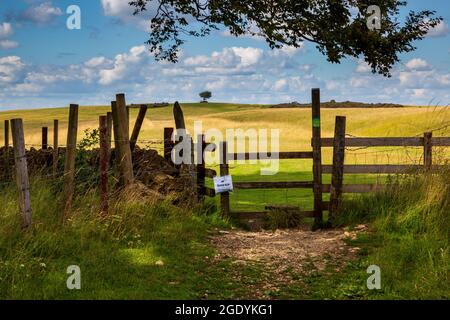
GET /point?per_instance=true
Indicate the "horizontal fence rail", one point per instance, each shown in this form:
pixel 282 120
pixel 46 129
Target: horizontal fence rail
pixel 270 155
pixel 379 169
pixel 355 188
pixel 388 142
pixel 274 185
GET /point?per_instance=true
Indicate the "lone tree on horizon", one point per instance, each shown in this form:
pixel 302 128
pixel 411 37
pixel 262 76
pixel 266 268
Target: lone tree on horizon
pixel 205 95
pixel 338 28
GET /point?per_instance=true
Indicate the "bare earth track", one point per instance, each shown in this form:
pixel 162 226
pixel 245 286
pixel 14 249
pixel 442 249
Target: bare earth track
pixel 284 253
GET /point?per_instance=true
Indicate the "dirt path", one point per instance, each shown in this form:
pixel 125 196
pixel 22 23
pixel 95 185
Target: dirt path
pixel 284 253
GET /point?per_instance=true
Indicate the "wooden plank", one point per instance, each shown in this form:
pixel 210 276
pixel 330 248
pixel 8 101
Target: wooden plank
pixel 168 144
pixel 115 119
pixel 268 155
pixel 178 116
pixel 55 146
pixel 23 184
pixel 274 185
pixel 224 171
pixel 325 204
pixel 6 134
pixel 440 141
pixel 210 173
pixel 188 169
pixel 44 144
pixel 377 142
pixel 317 157
pixel 337 176
pixel 69 165
pixel 427 151
pixel 137 126
pixel 104 152
pixel 6 153
pixel 201 169
pixel 356 188
pixel 124 152
pixel 379 169
pixel 109 123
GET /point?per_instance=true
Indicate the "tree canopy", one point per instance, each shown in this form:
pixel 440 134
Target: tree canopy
pixel 338 28
pixel 205 95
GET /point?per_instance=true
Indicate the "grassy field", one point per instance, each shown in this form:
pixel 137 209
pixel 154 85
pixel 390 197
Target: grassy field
pixel 146 250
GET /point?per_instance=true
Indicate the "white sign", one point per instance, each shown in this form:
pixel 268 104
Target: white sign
pixel 223 184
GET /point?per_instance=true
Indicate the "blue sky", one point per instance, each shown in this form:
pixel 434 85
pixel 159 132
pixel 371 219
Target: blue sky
pixel 43 64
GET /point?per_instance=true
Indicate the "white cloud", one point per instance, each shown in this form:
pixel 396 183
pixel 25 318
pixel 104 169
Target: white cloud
pixel 126 64
pixel 441 30
pixel 363 67
pixel 116 8
pixel 10 69
pixel 5 30
pixel 42 13
pixel 8 44
pixel 417 64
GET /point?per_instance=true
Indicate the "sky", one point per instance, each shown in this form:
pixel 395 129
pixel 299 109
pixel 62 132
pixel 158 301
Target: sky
pixel 45 64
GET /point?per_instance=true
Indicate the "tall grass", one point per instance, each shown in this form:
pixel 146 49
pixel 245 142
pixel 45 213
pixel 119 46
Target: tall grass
pixel 410 228
pixel 141 250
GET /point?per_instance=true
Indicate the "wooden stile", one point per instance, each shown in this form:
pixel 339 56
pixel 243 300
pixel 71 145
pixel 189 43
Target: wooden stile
pixel 201 169
pixel 44 144
pixel 168 144
pixel 224 171
pixel 55 146
pixel 23 184
pixel 6 134
pixel 137 126
pixel 6 153
pixel 427 150
pixel 337 177
pixel 104 161
pixel 109 124
pixel 123 153
pixel 317 156
pixel 69 165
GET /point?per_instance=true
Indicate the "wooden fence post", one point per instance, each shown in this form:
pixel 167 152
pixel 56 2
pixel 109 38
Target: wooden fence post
pixel 103 128
pixel 69 165
pixel 23 184
pixel 123 153
pixel 109 124
pixel 201 167
pixel 187 169
pixel 44 145
pixel 137 126
pixel 6 136
pixel 6 153
pixel 317 158
pixel 337 177
pixel 168 144
pixel 224 171
pixel 55 146
pixel 427 150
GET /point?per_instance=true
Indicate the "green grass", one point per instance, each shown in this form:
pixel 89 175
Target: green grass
pixel 119 256
pixel 408 240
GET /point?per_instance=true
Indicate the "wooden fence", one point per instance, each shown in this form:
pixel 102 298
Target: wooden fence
pixel 118 119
